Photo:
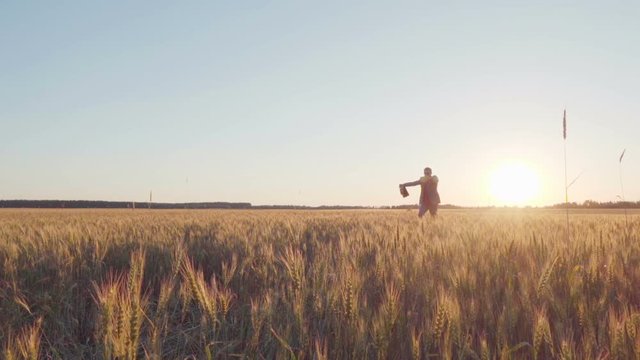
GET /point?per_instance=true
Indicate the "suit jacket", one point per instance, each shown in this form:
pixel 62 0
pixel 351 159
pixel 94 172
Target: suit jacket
pixel 429 190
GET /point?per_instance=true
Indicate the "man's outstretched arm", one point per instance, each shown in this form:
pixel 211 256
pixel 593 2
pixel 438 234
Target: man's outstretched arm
pixel 413 183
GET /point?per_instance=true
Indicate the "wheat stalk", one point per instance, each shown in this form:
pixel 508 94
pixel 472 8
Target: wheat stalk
pixel 566 187
pixel 543 282
pixel 624 203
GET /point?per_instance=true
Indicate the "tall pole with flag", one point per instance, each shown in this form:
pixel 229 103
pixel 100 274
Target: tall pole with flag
pixel 566 187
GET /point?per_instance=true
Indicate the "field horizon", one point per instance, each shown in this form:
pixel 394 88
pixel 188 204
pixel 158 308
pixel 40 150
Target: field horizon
pixel 212 205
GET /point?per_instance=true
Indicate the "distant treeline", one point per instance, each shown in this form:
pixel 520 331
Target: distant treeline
pixel 89 204
pixel 590 204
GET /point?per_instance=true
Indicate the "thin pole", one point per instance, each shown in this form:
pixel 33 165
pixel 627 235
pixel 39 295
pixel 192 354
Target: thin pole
pixel 566 188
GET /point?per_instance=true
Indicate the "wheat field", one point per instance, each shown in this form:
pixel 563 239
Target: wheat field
pixel 473 284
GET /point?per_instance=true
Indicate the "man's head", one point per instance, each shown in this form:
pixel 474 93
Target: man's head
pixel 427 171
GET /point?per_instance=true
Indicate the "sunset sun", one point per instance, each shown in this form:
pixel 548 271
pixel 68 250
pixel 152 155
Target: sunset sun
pixel 514 184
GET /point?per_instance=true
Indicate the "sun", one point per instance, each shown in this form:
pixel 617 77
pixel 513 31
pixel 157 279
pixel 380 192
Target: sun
pixel 514 184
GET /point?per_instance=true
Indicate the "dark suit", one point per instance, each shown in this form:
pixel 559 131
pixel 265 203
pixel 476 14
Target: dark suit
pixel 429 197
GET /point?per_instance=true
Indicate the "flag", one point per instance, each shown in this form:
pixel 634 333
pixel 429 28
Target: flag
pixel 564 125
pixel 622 155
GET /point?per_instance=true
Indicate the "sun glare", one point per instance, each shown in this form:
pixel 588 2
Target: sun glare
pixel 514 184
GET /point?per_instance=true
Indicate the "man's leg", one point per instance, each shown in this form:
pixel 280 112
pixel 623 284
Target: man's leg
pixel 433 210
pixel 422 210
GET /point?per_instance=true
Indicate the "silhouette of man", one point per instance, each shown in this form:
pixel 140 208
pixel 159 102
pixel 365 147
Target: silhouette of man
pixel 429 197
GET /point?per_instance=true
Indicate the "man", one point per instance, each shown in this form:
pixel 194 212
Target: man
pixel 429 197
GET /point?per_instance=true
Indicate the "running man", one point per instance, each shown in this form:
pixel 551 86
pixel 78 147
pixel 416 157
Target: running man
pixel 429 197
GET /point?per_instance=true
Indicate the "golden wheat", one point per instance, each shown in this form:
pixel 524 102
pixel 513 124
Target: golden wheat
pixel 326 284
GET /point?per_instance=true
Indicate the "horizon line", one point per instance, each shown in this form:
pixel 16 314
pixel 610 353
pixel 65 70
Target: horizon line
pixel 121 204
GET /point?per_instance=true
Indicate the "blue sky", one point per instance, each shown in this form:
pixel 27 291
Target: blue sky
pixel 277 102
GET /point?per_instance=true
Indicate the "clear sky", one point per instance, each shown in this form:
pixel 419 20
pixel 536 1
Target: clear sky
pixel 310 103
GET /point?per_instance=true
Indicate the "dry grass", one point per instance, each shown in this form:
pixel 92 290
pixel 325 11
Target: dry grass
pixel 318 285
